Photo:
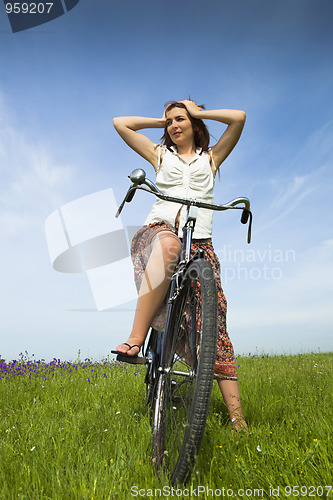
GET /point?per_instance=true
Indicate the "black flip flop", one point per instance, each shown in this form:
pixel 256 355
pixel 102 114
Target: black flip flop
pixel 127 358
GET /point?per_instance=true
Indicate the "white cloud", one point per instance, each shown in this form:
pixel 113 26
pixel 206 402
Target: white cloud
pixel 317 147
pixel 305 183
pixel 32 180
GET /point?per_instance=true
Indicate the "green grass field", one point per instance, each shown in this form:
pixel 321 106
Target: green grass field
pixel 79 430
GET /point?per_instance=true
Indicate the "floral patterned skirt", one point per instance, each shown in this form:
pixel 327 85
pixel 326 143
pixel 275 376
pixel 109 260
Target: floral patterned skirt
pixel 225 366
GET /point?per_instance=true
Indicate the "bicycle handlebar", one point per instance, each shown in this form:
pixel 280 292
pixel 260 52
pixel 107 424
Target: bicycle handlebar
pixel 138 177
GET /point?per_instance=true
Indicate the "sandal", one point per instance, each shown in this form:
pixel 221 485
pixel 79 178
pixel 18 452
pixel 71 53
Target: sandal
pixel 128 358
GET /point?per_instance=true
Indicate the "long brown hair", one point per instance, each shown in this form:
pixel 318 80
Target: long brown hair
pixel 201 134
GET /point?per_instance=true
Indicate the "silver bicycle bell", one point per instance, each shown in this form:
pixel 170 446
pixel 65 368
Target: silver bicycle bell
pixel 138 176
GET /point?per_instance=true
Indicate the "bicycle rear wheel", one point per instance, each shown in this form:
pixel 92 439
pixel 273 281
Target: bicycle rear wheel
pixel 182 394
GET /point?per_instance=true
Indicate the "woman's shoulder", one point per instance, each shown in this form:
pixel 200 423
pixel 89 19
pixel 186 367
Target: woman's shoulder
pixel 161 147
pixel 162 151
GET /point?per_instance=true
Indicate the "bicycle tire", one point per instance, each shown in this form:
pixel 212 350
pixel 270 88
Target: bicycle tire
pixel 152 353
pixel 183 390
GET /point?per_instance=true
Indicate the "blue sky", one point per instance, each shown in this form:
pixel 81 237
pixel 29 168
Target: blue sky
pixel 63 82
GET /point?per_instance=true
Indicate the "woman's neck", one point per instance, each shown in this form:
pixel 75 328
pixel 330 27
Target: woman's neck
pixel 186 150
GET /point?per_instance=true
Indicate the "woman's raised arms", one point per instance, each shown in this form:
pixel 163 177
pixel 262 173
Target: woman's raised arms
pixel 235 119
pixel 128 126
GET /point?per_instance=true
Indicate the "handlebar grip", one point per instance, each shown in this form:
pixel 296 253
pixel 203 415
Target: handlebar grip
pixel 245 216
pixel 130 196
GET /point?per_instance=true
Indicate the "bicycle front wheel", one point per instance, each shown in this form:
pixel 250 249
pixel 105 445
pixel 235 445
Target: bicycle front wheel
pixel 182 396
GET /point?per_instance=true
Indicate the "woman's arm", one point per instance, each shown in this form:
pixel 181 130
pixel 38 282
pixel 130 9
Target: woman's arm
pixel 235 119
pixel 127 127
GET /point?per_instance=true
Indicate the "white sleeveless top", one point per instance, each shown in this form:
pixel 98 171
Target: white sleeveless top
pixel 176 177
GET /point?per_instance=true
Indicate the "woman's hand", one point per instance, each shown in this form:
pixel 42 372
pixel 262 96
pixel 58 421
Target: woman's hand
pixel 192 108
pixel 163 120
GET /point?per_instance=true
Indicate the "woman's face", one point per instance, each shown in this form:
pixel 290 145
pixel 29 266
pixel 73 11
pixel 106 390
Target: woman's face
pixel 179 126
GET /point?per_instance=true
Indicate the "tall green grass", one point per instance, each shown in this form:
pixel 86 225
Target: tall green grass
pixel 80 431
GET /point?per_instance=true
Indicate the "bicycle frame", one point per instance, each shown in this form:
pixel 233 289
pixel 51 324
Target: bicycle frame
pixel 180 360
pixel 176 284
pixel 177 278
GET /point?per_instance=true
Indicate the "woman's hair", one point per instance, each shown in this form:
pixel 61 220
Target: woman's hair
pixel 201 134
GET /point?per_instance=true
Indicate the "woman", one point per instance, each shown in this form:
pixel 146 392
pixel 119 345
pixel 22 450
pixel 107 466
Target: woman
pixel 185 166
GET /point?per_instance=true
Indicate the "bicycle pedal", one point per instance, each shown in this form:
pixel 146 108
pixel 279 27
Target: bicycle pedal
pixel 133 360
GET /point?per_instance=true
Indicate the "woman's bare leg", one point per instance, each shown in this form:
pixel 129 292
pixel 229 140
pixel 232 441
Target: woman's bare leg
pixel 231 396
pixel 165 253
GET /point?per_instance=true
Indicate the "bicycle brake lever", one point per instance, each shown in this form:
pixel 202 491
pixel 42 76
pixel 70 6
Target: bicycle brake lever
pixel 249 228
pixel 129 197
pixel 138 177
pixel 245 216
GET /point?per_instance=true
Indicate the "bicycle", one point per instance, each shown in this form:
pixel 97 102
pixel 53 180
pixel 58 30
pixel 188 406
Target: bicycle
pixel 180 360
